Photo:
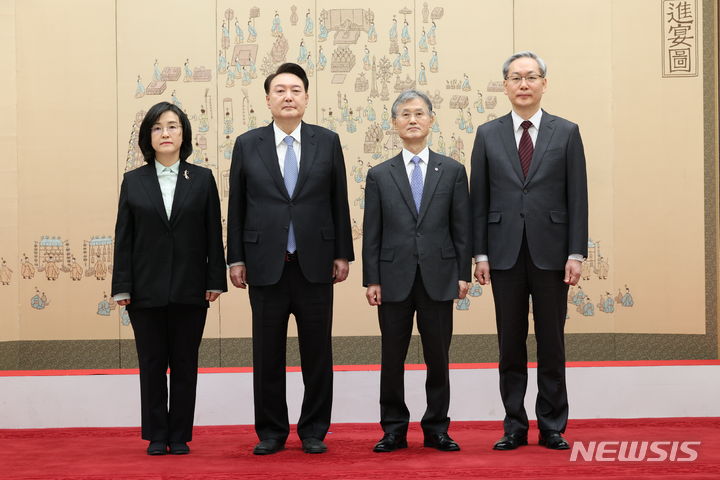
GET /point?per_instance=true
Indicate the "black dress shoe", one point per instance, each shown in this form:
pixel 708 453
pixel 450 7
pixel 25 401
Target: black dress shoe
pixel 313 445
pixel 266 447
pixel 441 441
pixel 157 448
pixel 553 441
pixel 390 442
pixel 511 441
pixel 179 448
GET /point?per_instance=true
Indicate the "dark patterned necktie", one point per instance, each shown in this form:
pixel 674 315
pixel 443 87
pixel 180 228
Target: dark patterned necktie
pixel 525 148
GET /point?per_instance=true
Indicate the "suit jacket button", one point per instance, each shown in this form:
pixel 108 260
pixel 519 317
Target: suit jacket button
pixel 522 215
pixel 525 190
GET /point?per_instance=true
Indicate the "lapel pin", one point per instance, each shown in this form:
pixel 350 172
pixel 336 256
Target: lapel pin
pixel 185 174
pixel 437 169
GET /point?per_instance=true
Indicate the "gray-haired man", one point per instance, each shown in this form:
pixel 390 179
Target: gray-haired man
pixel 416 258
pixel 530 232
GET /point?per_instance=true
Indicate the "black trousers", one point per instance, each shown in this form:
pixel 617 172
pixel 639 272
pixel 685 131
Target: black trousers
pixel 168 336
pixel 434 321
pixel 311 304
pixel 511 290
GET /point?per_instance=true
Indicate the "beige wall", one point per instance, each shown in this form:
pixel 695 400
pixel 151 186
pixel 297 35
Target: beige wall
pixel 658 183
pixel 67 131
pixel 9 318
pixel 73 69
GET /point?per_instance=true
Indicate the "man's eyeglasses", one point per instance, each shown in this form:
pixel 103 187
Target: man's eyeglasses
pixel 529 79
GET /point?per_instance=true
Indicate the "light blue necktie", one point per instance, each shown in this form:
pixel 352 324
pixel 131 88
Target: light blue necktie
pixel 416 183
pixel 291 176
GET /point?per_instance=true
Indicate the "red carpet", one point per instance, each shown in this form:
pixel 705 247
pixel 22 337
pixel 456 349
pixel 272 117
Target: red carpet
pixel 220 453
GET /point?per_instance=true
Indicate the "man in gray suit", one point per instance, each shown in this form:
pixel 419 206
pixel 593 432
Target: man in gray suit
pixel 530 226
pixel 416 258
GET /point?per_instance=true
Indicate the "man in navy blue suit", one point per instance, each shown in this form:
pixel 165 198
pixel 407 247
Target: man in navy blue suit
pixel 289 238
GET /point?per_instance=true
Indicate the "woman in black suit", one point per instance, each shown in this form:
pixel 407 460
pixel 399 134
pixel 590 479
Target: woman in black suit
pixel 169 263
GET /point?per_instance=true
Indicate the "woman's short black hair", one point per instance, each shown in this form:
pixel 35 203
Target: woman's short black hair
pixel 293 68
pixel 151 117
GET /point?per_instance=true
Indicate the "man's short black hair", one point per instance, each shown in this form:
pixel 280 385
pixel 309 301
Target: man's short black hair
pixel 292 68
pixel 151 117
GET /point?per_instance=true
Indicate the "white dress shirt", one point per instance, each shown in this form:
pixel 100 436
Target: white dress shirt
pixel 167 178
pixel 533 131
pixel 410 166
pixel 281 146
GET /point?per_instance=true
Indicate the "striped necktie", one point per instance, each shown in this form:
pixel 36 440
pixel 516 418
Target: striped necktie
pixel 525 148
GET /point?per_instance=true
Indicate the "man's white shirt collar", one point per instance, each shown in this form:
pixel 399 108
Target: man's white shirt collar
pixel 535 119
pixel 408 155
pixel 280 135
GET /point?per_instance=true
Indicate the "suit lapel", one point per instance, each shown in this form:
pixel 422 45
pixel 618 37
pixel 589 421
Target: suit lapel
pixel 432 177
pixel 308 147
pixel 183 185
pixel 547 128
pixel 268 154
pixel 507 136
pixel 399 175
pixel 151 185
